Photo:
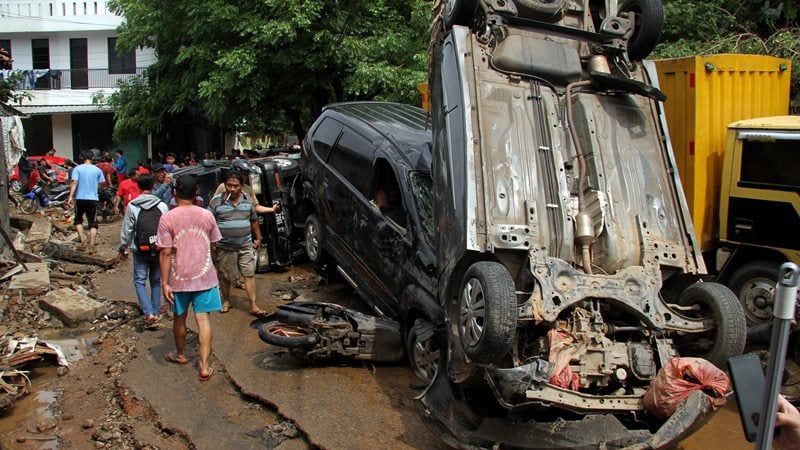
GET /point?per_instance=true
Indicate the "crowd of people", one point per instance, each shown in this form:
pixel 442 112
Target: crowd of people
pixel 190 255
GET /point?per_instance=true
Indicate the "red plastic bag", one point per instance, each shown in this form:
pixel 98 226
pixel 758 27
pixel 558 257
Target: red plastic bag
pixel 678 378
pixel 562 351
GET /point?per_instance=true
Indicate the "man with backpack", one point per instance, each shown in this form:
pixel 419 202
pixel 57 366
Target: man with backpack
pixel 138 236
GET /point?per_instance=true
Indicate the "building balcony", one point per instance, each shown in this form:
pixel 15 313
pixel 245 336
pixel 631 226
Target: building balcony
pixel 75 79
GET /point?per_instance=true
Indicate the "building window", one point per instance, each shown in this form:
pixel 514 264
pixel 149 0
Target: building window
pixel 118 64
pixel 41 60
pixel 5 45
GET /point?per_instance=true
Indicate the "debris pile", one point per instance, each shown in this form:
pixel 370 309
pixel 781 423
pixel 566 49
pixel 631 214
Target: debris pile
pixel 16 353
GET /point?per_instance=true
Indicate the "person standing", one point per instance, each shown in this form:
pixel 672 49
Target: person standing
pixel 185 236
pixel 109 171
pixel 163 188
pixel 121 165
pixel 83 193
pixel 238 223
pixel 128 190
pixel 138 236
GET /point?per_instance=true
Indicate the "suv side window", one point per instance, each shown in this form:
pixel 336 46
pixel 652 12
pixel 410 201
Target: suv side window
pixel 351 157
pixel 324 136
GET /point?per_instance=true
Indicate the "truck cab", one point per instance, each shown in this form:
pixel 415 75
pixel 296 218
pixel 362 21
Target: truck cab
pixel 759 209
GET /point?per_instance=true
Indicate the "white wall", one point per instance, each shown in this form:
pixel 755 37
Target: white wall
pixel 97 48
pixel 62 135
pixel 55 15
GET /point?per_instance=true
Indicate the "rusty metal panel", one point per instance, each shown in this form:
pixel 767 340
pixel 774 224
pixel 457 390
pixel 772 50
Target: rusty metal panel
pixel 705 94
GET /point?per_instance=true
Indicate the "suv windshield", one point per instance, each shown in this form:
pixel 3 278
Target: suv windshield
pixel 422 189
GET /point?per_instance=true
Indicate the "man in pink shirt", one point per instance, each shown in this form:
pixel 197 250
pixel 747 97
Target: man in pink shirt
pixel 188 276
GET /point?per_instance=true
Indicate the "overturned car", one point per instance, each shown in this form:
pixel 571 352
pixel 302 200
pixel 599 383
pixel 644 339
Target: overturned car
pixel 568 272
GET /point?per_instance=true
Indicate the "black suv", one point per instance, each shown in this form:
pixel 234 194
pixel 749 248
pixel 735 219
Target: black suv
pixel 366 169
pixel 271 179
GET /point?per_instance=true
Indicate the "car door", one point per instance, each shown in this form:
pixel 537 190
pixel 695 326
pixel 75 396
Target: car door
pixel 383 244
pixel 343 185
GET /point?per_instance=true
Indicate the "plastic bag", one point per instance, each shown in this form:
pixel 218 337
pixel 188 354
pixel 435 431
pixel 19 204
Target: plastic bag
pixel 678 378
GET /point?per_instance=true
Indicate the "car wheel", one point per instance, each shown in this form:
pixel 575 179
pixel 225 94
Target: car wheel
pixel 728 336
pixel 16 185
pixel 424 350
pixel 29 205
pixel 459 12
pixel 545 10
pixel 649 22
pixel 313 233
pixel 288 167
pixel 487 312
pixel 288 336
pixel 754 285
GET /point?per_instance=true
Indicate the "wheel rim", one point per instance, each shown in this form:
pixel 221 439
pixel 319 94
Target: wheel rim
pixel 16 185
pixel 473 312
pixel 284 330
pixel 756 297
pixel 426 358
pixel 29 206
pixel 312 241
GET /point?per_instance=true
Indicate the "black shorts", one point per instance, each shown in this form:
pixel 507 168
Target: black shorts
pixel 89 208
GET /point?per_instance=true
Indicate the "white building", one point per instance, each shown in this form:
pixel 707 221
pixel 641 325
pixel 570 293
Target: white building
pixel 67 51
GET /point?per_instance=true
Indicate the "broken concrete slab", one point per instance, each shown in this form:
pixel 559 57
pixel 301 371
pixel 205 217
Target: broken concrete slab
pixel 41 231
pixel 71 307
pixel 36 279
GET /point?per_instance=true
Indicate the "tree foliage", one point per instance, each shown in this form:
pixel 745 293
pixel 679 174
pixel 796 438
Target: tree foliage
pixel 701 27
pixel 267 65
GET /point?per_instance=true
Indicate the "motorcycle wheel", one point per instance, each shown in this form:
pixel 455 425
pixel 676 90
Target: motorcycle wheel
pixel 288 336
pixel 29 205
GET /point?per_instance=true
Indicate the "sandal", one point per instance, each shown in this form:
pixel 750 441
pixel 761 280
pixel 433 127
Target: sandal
pixel 173 358
pixel 225 308
pixel 208 375
pixel 260 313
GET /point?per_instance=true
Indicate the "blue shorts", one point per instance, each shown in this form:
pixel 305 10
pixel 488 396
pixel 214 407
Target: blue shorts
pixel 202 301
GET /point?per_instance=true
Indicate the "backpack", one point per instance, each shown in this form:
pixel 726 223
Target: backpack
pixel 145 231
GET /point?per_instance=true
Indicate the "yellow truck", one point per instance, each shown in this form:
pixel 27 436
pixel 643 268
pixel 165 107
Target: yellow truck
pixel 738 158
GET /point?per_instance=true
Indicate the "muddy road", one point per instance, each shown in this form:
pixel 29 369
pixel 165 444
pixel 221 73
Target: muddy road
pixel 121 393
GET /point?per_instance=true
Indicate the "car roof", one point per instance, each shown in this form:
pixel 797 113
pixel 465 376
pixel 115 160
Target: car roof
pixel 406 127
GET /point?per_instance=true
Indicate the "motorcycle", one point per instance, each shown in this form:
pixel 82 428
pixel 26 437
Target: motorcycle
pixel 316 331
pixel 37 197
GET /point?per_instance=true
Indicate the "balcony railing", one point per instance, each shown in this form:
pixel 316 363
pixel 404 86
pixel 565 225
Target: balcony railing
pixel 54 79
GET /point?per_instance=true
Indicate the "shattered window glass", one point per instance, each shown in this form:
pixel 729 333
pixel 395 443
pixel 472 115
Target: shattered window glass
pixel 422 189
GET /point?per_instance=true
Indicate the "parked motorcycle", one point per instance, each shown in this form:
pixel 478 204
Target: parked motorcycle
pixel 38 198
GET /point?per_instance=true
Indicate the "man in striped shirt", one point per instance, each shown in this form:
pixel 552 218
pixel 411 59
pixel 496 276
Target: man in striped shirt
pixel 235 253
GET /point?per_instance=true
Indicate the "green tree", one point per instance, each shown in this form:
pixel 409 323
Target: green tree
pixel 267 65
pixel 765 27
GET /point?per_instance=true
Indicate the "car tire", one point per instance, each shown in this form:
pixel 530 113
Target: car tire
pixel 16 185
pixel 544 10
pixel 459 12
pixel 730 333
pixel 424 349
pixel 287 166
pixel 752 283
pixel 314 237
pixel 487 312
pixel 29 205
pixel 288 336
pixel 649 24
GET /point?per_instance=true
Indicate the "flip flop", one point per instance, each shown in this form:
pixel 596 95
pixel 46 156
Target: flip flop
pixel 260 313
pixel 225 309
pixel 173 358
pixel 208 376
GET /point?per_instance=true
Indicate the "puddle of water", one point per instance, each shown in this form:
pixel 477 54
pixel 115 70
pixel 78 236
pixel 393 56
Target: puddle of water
pixel 21 419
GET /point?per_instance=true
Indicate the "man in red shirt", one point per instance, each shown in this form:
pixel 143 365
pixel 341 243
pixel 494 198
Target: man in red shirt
pixel 107 166
pixel 127 191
